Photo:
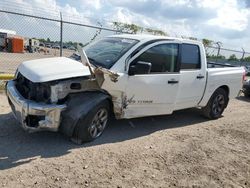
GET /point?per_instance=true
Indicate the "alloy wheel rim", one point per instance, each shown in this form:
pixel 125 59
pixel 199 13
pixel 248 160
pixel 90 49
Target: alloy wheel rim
pixel 98 123
pixel 218 104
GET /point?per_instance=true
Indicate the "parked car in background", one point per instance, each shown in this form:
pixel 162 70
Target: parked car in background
pixel 42 44
pixel 71 48
pixel 56 46
pixel 48 45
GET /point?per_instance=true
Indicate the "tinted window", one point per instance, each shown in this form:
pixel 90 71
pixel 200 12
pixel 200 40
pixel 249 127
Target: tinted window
pixel 190 57
pixel 163 57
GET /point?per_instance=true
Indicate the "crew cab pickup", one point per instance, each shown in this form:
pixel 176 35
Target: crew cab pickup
pixel 127 76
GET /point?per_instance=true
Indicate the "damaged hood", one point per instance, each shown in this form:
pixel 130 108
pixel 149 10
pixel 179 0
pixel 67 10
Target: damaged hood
pixel 56 68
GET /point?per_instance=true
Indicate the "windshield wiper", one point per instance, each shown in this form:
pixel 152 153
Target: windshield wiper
pixel 95 63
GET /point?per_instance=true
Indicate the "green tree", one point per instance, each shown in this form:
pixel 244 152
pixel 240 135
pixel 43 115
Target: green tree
pixel 247 59
pixel 133 29
pixel 124 27
pixel 207 43
pixel 156 32
pixel 192 38
pixel 232 58
pixel 215 57
pixel 221 57
pixel 42 40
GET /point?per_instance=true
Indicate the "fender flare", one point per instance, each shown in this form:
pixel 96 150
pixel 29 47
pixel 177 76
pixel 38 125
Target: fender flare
pixel 79 105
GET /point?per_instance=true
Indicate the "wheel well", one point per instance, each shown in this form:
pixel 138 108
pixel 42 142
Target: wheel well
pixel 79 104
pixel 111 105
pixel 109 99
pixel 226 89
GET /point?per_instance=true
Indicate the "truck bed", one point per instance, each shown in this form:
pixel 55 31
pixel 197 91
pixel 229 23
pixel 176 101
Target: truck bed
pixel 219 65
pixel 223 75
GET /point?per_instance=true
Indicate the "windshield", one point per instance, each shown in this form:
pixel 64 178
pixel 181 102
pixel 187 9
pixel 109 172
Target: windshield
pixel 107 51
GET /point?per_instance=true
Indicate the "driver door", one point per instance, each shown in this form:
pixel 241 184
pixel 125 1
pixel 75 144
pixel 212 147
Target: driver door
pixel 153 92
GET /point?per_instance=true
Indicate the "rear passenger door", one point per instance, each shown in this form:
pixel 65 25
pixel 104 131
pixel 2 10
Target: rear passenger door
pixel 192 76
pixel 154 93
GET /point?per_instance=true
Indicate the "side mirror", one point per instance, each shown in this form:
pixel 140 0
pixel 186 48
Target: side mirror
pixel 140 67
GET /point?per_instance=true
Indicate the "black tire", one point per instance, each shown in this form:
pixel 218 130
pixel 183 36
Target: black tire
pixel 246 94
pixel 90 123
pixel 216 105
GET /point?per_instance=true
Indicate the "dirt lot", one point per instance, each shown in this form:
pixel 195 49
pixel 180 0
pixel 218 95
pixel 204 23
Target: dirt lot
pixel 181 150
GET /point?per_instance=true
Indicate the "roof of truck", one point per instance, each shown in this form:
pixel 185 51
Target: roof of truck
pixel 146 37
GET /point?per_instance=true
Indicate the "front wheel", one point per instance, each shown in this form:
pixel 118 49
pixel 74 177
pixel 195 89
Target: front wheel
pixel 91 126
pixel 216 105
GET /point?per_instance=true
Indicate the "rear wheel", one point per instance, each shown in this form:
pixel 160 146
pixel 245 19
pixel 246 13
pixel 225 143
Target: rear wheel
pixel 216 105
pixel 246 94
pixel 91 126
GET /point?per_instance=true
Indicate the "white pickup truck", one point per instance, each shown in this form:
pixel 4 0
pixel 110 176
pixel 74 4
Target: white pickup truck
pixel 127 76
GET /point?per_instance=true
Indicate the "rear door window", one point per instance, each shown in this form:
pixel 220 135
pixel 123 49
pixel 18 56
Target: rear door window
pixel 190 57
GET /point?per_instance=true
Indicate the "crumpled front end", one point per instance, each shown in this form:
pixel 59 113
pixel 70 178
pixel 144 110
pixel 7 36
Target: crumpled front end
pixel 33 116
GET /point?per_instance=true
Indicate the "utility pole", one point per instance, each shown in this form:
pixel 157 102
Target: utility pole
pixel 61 35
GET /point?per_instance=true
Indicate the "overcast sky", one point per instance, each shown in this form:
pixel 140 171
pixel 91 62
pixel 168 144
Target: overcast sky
pixel 227 21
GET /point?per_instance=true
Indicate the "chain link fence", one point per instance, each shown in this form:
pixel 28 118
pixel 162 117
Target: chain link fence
pixel 221 55
pixel 42 37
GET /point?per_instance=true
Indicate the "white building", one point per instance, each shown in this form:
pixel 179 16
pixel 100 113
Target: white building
pixel 9 32
pixel 4 33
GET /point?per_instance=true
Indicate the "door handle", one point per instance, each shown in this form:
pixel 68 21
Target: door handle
pixel 200 77
pixel 173 82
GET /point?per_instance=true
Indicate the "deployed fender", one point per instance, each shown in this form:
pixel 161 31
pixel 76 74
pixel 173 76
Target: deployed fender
pixel 79 105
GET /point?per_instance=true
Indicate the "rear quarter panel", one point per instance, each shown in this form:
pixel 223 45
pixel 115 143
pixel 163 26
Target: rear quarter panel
pixel 217 77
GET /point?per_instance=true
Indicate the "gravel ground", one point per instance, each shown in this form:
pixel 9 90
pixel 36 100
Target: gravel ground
pixel 179 150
